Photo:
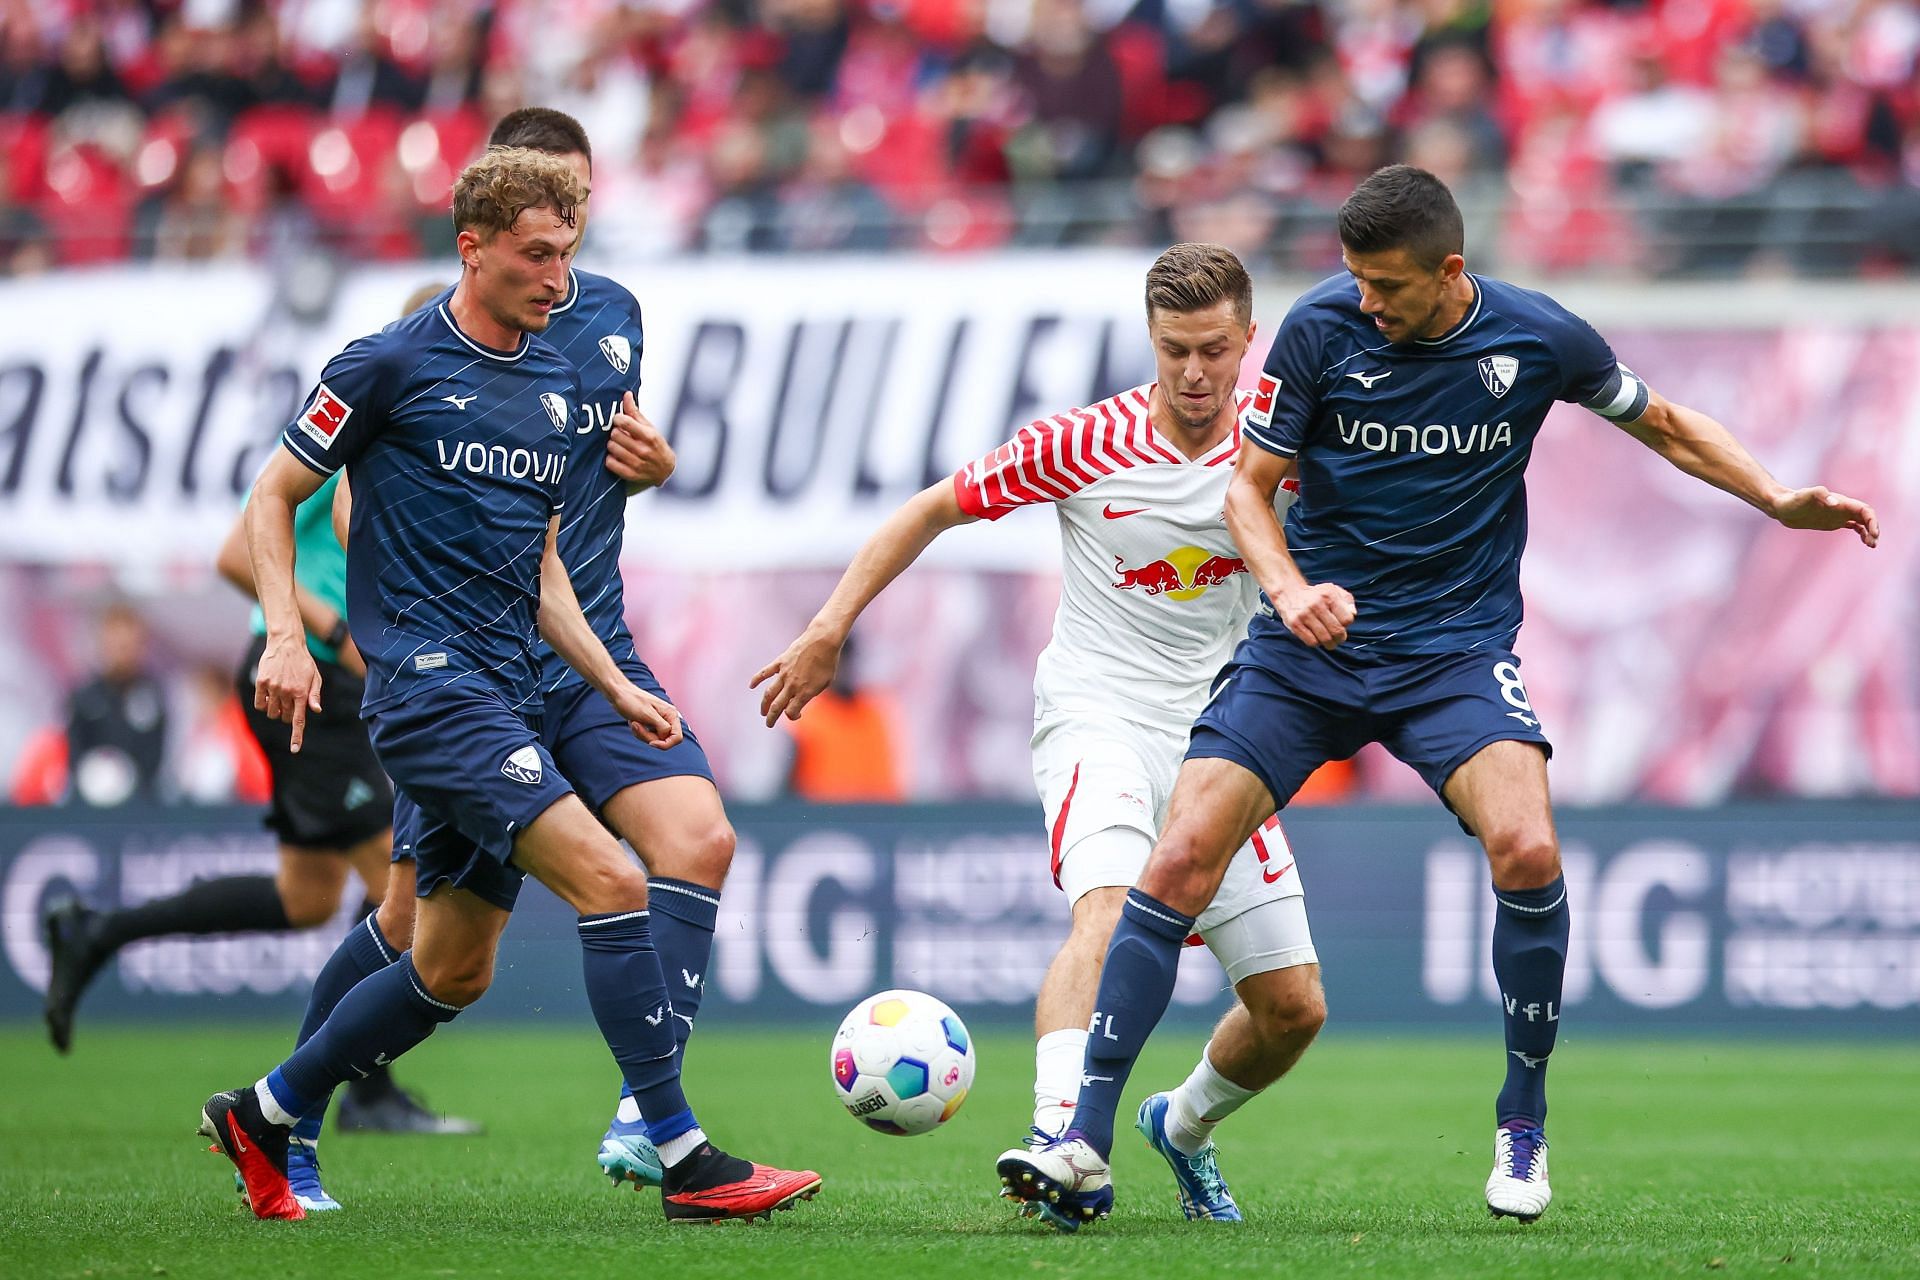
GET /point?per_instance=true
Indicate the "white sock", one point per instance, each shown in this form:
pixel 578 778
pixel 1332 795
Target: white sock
pixel 1058 1060
pixel 674 1150
pixel 1201 1102
pixel 270 1106
pixel 628 1111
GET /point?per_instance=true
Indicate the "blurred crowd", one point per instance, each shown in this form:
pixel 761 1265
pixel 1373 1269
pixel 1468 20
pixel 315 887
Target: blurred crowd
pixel 204 129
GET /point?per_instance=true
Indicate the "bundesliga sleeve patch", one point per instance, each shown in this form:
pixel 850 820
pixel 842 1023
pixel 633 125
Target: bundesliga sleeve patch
pixel 325 416
pixel 1262 412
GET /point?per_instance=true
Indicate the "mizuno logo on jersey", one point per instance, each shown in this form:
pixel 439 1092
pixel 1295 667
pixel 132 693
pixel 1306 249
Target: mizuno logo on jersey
pixel 618 351
pixel 556 409
pixel 498 460
pixel 1368 379
pixel 461 402
pixel 1499 373
pixel 523 765
pixel 1378 437
pixel 325 416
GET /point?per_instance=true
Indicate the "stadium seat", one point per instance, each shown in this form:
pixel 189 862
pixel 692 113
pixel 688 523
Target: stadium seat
pixel 90 197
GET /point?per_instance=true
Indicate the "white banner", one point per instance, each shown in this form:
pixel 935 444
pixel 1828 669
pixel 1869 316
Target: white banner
pixel 806 398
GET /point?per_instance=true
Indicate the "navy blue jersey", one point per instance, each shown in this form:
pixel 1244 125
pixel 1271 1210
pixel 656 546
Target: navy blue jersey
pixel 456 453
pixel 597 328
pixel 1411 456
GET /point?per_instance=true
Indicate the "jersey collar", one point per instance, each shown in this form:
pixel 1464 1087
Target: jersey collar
pixel 1466 322
pixel 573 294
pixel 507 357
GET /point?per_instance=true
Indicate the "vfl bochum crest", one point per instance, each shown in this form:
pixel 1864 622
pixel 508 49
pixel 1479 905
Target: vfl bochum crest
pixel 557 408
pixel 523 765
pixel 1499 372
pixel 617 350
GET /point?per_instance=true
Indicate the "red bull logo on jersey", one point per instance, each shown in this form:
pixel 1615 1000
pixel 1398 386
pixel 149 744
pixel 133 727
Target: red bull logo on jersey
pixel 1378 437
pixel 1184 573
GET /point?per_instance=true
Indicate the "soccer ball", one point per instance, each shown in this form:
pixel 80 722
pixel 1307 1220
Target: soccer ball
pixel 902 1062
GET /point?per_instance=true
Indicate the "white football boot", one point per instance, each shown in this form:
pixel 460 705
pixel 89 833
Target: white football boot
pixel 1064 1181
pixel 1518 1186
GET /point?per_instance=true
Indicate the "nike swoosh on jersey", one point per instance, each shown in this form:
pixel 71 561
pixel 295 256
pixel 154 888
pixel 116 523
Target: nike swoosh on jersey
pixel 1111 514
pixel 1273 876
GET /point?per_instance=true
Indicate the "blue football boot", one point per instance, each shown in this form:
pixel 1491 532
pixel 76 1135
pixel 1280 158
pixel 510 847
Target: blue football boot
pixel 1203 1192
pixel 627 1156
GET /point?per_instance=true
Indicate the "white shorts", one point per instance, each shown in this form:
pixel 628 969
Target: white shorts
pixel 1099 773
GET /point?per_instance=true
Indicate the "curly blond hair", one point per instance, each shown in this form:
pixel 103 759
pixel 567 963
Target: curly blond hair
pixel 505 182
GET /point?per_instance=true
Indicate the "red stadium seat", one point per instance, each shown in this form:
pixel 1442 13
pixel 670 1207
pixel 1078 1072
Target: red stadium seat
pixel 90 198
pixel 24 139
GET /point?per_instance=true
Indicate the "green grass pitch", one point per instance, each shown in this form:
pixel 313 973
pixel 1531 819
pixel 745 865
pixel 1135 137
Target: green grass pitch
pixel 1673 1158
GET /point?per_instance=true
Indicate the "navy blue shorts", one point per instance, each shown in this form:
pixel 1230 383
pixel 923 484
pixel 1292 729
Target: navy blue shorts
pixel 1281 709
pixel 597 750
pixel 472 773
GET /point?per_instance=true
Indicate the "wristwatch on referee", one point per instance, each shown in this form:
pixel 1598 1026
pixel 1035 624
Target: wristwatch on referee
pixel 338 636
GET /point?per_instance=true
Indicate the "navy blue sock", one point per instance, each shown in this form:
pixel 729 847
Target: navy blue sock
pixel 1135 986
pixel 363 952
pixel 1530 962
pixel 381 1018
pixel 683 919
pixel 629 999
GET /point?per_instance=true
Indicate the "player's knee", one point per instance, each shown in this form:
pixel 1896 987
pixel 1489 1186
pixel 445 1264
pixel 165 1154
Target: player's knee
pixel 1292 1015
pixel 307 905
pixel 1523 857
pixel 1182 873
pixel 706 857
pixel 458 980
pixel 609 886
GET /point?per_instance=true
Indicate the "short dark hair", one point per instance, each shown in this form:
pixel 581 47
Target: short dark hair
pixel 1193 277
pixel 541 129
pixel 1401 207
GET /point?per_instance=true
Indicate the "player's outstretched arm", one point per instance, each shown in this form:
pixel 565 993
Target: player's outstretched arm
pixel 797 676
pixel 636 451
pixel 1316 613
pixel 287 683
pixel 1701 447
pixel 565 627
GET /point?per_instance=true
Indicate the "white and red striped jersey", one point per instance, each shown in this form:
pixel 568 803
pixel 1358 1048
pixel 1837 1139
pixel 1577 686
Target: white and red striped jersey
pixel 1153 594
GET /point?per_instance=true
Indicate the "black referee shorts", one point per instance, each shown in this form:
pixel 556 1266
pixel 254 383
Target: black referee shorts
pixel 333 794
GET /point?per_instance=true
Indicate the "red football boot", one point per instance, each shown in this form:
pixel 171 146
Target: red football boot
pixel 258 1149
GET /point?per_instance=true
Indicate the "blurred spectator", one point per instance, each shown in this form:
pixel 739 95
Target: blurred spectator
pixel 193 220
pixel 1072 91
pixel 24 247
pixel 829 209
pixel 845 744
pixel 117 721
pixel 976 123
pixel 218 760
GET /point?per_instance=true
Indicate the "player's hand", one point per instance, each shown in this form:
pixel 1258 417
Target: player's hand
pixel 636 451
pixel 1318 615
pixel 1820 508
pixel 797 676
pixel 349 656
pixel 654 721
pixel 286 685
